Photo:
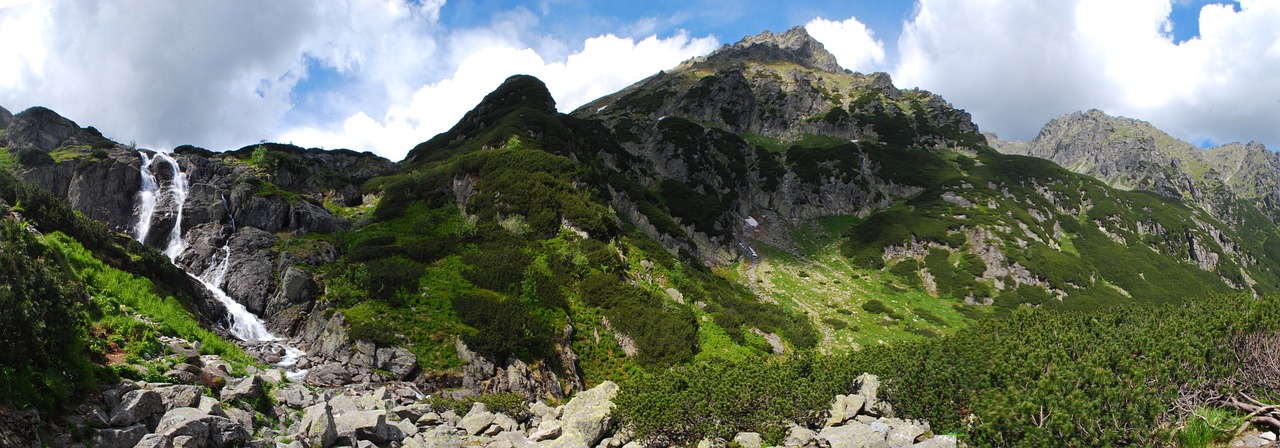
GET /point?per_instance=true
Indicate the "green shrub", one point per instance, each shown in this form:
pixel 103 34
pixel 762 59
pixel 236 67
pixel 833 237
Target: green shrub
pixel 503 327
pixel 874 306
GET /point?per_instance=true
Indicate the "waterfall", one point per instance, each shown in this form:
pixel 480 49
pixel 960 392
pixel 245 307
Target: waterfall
pixel 243 324
pixel 178 188
pixel 152 195
pixel 146 199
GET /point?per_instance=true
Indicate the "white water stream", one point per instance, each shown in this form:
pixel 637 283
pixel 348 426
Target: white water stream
pixel 243 324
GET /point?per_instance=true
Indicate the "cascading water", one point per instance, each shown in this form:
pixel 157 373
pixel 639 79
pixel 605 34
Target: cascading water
pixel 243 324
pixel 146 199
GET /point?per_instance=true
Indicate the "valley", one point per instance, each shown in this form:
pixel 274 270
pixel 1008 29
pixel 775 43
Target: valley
pixel 714 253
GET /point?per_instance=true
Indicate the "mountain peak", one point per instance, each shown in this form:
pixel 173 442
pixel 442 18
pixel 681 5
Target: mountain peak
pixel 794 46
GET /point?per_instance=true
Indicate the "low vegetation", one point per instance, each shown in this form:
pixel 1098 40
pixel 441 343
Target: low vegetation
pixel 1037 377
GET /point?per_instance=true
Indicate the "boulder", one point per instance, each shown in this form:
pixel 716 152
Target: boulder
pixel 328 375
pixel 179 396
pixel 153 441
pixel 905 432
pixel 317 425
pixel 136 406
pixel 941 441
pixel 185 422
pixel 118 437
pixel 429 419
pixel 294 395
pixel 549 429
pixel 184 373
pixel 852 435
pixel 401 362
pixel 244 388
pixel 586 418
pixel 749 440
pixel 798 436
pixel 477 420
pixel 365 425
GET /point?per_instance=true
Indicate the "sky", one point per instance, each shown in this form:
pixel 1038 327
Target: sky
pixel 384 75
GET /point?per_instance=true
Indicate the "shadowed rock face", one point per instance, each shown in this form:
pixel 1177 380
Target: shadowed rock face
pixel 39 128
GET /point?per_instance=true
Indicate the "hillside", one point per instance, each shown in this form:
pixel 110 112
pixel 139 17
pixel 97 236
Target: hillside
pixel 757 208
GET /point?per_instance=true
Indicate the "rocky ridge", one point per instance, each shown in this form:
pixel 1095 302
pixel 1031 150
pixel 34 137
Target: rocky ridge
pixel 703 125
pixel 1133 154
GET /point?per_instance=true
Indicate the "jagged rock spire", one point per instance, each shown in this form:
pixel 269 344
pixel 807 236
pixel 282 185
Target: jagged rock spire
pixel 794 45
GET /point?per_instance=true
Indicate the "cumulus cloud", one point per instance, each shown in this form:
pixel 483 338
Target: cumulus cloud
pixel 1016 65
pixel 230 73
pixel 604 65
pixel 211 73
pixel 851 42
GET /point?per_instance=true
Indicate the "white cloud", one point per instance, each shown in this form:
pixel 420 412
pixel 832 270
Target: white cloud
pixel 226 74
pixel 604 65
pixel 1015 65
pixel 851 42
pixel 218 74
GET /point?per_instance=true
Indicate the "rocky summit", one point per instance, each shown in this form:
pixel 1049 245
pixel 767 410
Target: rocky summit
pixel 753 248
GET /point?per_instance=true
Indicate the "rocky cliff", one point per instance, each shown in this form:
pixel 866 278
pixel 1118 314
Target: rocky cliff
pixel 721 126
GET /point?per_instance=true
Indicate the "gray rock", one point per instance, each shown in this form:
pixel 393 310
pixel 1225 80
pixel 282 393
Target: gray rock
pixel 365 425
pixel 407 427
pixel 838 413
pixel 868 387
pixel 413 412
pixel 477 420
pixel 251 272
pixel 118 437
pixel 184 422
pixel 541 410
pixel 749 440
pixel 296 286
pixel 850 435
pixel 317 425
pixel 241 417
pixel 548 430
pixel 136 406
pixel 211 406
pixel 153 441
pixel 179 396
pixel 941 441
pixel 436 438
pixel 38 128
pixel 429 419
pixel 587 417
pixel 328 375
pixel 506 423
pixel 294 395
pixel 904 433
pixel 401 362
pixel 798 436
pixel 243 388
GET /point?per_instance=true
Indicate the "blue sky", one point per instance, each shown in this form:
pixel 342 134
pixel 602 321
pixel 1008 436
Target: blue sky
pixel 383 75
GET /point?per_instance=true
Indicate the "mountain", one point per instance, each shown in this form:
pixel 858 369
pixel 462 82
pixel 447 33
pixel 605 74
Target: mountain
pixel 759 205
pixel 1133 154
